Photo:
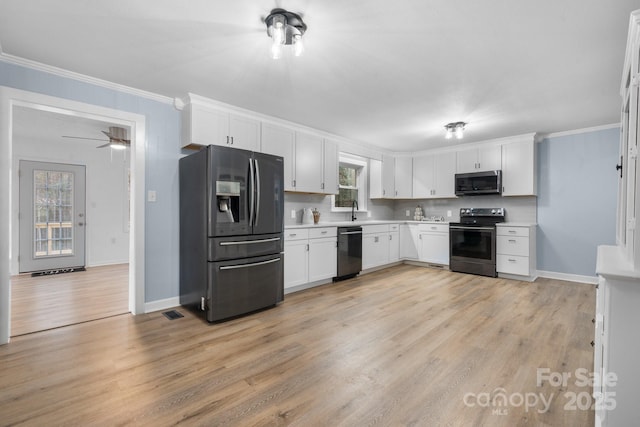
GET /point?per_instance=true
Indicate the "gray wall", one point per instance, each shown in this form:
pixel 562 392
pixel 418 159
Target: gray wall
pixel 577 193
pixel 162 153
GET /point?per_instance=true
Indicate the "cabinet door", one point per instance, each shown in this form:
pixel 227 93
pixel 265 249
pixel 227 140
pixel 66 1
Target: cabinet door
pixel 467 160
pixel 323 259
pixel 375 250
pixel 408 241
pixel 204 126
pixel 394 246
pixel 279 141
pixel 423 177
pixel 375 179
pixel 403 178
pixel 330 163
pixel 434 247
pixel 308 163
pixel 296 263
pixel 489 158
pixel 518 169
pixel 244 133
pixel 388 177
pixel 444 175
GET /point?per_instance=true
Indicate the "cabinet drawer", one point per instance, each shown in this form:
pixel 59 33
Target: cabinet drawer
pixel 296 234
pixel 436 228
pixel 394 227
pixel 512 245
pixel 512 264
pixel 322 232
pixel 512 231
pixel 380 228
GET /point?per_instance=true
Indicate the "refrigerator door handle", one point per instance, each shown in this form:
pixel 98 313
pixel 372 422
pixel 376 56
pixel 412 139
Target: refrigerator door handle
pixel 251 192
pixel 253 264
pixel 249 242
pixel 257 209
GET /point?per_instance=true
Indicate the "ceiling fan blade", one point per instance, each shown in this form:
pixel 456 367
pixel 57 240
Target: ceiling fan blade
pixel 82 137
pixel 104 145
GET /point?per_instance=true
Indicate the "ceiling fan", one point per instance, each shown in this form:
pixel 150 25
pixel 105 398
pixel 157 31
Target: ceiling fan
pixel 117 138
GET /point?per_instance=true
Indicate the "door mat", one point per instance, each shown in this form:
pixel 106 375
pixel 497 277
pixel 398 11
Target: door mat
pixel 57 271
pixel 172 314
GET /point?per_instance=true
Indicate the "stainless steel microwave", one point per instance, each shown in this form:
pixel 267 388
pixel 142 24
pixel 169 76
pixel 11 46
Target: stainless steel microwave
pixel 477 183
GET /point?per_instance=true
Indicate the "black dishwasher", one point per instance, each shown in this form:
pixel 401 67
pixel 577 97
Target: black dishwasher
pixel 349 252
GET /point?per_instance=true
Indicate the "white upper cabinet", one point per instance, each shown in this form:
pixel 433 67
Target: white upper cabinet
pixel 280 141
pixel 433 176
pixel 375 179
pixel 388 177
pixel 479 159
pixel 204 125
pixel 403 178
pixel 308 154
pixel 518 169
pixel 330 163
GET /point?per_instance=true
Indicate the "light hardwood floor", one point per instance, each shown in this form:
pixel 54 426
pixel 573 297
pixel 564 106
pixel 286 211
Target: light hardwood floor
pixel 46 302
pixel 402 346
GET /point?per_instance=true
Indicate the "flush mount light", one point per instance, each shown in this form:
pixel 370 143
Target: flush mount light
pixel 285 29
pixel 456 128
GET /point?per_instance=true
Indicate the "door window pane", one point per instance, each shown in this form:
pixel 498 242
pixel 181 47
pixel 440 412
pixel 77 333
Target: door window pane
pixel 53 213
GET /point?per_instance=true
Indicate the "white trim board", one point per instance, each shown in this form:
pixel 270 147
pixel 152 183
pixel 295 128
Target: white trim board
pixel 16 60
pixel 543 136
pixel 591 280
pixel 161 304
pixel 10 97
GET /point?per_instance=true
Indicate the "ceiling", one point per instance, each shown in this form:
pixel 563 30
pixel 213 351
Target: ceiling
pixel 391 74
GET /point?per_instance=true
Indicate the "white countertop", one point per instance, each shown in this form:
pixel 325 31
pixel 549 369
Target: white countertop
pixel 360 223
pixel 610 262
pixel 516 224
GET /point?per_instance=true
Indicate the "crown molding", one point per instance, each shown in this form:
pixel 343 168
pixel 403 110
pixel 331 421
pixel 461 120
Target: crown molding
pixel 543 136
pixel 34 65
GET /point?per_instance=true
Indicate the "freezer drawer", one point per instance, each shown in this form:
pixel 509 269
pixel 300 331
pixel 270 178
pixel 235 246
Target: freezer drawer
pixel 236 247
pixel 242 286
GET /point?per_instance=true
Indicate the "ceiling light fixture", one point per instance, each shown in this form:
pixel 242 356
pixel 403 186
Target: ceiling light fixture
pixel 285 29
pixel 456 128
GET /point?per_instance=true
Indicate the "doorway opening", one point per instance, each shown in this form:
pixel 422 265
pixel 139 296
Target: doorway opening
pixel 125 262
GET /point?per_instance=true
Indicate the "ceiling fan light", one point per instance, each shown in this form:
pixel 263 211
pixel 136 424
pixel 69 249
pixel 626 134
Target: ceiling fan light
pixel 118 146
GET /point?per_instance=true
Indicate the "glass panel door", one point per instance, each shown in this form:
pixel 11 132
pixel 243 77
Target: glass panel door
pixel 52 223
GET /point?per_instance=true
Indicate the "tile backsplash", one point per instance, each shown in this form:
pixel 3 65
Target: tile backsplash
pixel 517 209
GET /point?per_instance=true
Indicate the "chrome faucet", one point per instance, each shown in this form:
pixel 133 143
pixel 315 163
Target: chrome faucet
pixel 354 207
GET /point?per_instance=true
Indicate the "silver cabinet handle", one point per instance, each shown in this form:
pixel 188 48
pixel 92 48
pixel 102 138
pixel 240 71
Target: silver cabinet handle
pixel 250 242
pixel 254 264
pixel 323 232
pixel 512 241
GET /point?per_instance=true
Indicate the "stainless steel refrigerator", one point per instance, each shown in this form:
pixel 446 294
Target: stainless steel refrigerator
pixel 231 231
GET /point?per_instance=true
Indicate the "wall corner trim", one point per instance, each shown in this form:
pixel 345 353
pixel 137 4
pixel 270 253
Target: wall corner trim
pixel 161 304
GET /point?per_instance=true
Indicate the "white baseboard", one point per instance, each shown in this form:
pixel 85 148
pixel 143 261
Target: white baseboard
pixel 592 280
pixel 161 304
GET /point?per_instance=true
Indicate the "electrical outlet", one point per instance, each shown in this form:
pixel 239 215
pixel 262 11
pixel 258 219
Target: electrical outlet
pixel 407 213
pixel 293 214
pixel 369 214
pixel 449 214
pixel 152 196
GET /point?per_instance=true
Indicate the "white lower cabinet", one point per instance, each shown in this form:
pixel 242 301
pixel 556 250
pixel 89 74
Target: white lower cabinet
pixel 310 255
pixel 515 250
pixel 380 244
pixel 433 243
pixel 409 241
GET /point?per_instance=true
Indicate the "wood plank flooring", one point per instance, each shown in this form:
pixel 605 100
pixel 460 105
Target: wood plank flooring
pixel 46 302
pixel 402 346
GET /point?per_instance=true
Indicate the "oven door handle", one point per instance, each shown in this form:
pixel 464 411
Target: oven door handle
pixel 459 227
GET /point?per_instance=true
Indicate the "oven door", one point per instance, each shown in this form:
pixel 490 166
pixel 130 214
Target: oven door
pixel 472 249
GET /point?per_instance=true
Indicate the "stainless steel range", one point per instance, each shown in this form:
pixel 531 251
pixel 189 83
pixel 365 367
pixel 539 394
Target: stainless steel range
pixel 472 241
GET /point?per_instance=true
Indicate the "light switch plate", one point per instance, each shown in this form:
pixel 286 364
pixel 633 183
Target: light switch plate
pixel 407 213
pixel 293 214
pixel 449 214
pixel 152 196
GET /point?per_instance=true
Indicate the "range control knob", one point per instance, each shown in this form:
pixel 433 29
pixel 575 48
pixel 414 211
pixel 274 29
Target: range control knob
pixel 493 211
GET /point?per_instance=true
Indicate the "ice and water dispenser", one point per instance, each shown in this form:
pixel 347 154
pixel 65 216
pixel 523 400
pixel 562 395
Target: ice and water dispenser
pixel 228 201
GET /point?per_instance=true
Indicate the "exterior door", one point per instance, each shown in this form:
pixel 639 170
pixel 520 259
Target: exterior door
pixel 52 216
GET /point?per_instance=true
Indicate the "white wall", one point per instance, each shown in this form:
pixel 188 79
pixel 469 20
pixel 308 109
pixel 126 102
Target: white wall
pixel 107 234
